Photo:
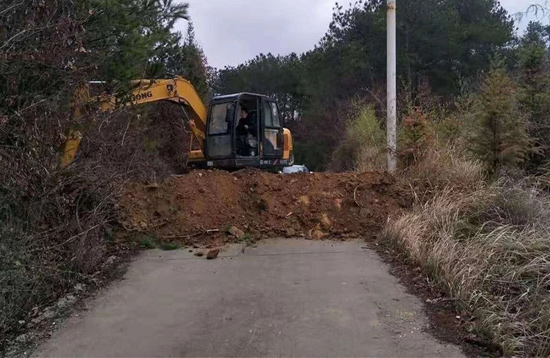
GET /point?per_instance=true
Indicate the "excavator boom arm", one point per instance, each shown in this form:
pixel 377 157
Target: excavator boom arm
pixel 177 90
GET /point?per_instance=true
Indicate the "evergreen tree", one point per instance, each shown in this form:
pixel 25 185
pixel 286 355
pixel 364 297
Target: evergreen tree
pixel 187 59
pixel 275 76
pixel 127 39
pixel 534 96
pixel 441 41
pixel 501 140
pixel 50 47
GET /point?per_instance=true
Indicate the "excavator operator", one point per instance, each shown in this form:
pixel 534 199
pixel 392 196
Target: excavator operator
pixel 246 134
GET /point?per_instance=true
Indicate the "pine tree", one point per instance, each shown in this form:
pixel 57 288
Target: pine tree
pixel 189 61
pixel 501 139
pixel 534 93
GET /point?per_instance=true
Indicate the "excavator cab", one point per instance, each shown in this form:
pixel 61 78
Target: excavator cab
pixel 246 130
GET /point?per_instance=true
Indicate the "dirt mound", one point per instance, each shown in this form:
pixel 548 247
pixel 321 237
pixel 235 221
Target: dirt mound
pixel 262 204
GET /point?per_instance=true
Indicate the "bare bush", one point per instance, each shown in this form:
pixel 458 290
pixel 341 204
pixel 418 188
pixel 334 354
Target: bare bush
pixel 53 234
pixel 56 224
pixel 143 143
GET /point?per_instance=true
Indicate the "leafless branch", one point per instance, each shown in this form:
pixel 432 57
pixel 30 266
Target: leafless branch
pixel 11 8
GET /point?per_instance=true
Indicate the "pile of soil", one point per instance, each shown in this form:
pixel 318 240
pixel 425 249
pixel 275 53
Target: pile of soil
pixel 190 208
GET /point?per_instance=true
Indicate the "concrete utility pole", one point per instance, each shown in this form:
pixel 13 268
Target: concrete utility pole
pixel 392 87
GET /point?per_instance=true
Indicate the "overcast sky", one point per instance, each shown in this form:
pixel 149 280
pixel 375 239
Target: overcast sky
pixel 233 31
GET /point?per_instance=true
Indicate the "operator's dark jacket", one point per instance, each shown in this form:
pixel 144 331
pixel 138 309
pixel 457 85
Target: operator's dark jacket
pixel 241 129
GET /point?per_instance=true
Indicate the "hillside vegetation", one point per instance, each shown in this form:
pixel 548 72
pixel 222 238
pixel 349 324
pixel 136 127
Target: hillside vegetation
pixel 56 226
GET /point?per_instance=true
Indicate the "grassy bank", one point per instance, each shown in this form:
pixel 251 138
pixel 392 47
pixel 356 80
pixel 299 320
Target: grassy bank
pixel 486 244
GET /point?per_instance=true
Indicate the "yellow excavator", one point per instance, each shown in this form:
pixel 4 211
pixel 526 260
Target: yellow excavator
pixel 235 131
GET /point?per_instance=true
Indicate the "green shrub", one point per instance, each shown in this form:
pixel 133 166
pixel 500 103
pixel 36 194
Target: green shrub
pixel 148 243
pixel 364 146
pixel 169 246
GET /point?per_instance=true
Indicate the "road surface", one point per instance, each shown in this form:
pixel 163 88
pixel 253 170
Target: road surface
pixel 284 298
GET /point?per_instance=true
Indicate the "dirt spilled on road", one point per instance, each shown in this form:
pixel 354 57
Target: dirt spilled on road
pixel 195 207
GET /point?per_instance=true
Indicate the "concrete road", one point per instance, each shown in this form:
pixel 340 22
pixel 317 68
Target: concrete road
pixel 291 298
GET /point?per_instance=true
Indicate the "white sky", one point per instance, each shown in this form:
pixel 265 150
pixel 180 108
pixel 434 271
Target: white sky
pixel 234 31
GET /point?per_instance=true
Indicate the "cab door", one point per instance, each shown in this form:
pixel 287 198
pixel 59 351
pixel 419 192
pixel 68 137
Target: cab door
pixel 219 135
pixel 272 130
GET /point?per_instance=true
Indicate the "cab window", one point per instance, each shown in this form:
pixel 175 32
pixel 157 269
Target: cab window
pixel 276 121
pixel 268 115
pixel 271 115
pixel 221 117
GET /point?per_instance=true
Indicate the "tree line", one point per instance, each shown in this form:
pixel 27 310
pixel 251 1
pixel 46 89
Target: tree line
pixel 444 47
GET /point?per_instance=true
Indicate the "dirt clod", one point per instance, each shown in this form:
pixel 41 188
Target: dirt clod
pixel 290 232
pixel 236 232
pixel 22 338
pixel 212 254
pixel 325 221
pixel 316 234
pixel 199 253
pixel 109 262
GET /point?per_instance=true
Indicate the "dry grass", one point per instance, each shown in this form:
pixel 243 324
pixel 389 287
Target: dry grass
pixel 443 169
pixel 485 244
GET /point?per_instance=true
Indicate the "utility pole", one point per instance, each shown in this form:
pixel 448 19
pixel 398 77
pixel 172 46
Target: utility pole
pixel 392 87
